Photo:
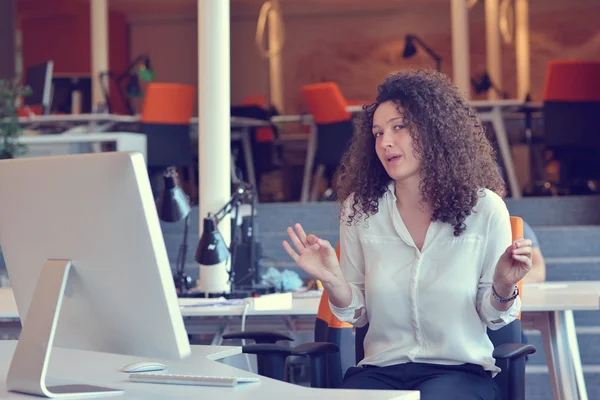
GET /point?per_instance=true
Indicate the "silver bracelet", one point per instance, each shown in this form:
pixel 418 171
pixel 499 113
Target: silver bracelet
pixel 505 299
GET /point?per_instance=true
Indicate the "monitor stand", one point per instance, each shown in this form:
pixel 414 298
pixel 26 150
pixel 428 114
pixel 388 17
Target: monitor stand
pixel 27 373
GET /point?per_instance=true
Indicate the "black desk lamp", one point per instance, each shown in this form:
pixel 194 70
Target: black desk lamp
pixel 212 249
pixel 410 49
pixel 139 68
pixel 173 206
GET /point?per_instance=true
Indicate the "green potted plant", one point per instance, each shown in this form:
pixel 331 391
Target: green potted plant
pixel 10 129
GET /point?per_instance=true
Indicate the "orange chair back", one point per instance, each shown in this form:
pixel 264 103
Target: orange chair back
pixel 572 81
pixel 258 100
pixel 324 312
pixel 168 103
pixel 325 102
pixel 34 109
pixel 516 226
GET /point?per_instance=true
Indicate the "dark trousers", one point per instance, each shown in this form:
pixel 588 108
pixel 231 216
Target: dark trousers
pixel 447 382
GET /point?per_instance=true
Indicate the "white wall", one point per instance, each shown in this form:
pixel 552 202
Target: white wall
pixel 171 43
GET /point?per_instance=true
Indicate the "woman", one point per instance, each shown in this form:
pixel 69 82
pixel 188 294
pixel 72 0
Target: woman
pixel 427 257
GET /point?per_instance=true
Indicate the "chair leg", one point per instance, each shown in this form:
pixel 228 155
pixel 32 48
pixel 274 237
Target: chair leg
pixel 516 369
pixel 316 182
pixel 318 370
pixel 272 365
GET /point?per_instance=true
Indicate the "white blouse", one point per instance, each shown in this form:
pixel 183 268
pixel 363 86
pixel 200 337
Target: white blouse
pixel 429 306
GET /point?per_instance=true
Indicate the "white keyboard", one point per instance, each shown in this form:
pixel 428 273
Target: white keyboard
pixel 198 380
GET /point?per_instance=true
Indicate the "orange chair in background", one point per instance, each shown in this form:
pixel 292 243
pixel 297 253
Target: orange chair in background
pixel 572 121
pixel 168 103
pixel 331 136
pixel 572 80
pixel 165 119
pixel 257 100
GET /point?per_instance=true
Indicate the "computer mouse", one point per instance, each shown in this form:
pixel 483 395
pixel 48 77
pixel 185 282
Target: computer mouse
pixel 144 366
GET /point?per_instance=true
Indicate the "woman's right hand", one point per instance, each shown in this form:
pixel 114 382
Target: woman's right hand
pixel 314 255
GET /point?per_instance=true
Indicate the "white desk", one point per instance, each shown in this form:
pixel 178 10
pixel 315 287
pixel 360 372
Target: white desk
pixel 124 141
pixel 73 366
pixel 300 307
pixel 86 124
pixel 213 320
pixel 547 307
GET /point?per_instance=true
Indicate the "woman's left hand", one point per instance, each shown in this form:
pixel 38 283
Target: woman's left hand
pixel 514 264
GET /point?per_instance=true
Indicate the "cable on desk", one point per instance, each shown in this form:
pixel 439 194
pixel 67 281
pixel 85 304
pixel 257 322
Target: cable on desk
pixel 244 315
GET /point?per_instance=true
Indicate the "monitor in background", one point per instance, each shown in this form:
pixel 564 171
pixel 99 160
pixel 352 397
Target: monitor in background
pixel 39 79
pixel 81 238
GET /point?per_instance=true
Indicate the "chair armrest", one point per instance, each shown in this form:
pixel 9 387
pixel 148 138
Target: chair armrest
pixel 266 349
pixel 513 350
pixel 512 360
pixel 315 348
pixel 270 359
pixel 259 337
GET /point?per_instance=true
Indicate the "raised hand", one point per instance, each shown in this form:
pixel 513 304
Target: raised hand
pixel 514 264
pixel 314 255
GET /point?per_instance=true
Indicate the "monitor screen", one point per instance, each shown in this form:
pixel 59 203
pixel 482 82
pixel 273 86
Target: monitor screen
pixel 39 79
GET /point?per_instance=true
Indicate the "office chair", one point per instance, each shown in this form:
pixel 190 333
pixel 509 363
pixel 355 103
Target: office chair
pixel 572 122
pixel 267 152
pixel 334 129
pixel 329 353
pixel 270 356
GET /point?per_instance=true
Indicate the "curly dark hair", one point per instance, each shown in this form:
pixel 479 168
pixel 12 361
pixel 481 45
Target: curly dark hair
pixel 456 156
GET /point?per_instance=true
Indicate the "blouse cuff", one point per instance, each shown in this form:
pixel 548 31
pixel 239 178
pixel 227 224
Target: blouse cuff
pixel 347 314
pixel 495 318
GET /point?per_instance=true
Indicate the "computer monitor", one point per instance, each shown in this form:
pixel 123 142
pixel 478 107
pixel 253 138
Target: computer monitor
pixel 96 214
pixel 39 79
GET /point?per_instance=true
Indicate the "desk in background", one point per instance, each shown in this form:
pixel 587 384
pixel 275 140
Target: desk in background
pixel 491 111
pixel 62 144
pixel 79 125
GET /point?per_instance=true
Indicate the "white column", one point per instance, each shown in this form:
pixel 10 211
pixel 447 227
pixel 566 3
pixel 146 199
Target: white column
pixel 214 128
pixel 460 46
pixel 493 45
pixel 522 48
pixel 276 32
pixel 99 48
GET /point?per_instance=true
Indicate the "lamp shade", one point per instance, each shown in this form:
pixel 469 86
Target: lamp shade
pixel 173 204
pixel 212 249
pixel 409 47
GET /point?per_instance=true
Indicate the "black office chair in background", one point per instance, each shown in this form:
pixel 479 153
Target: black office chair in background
pixel 572 123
